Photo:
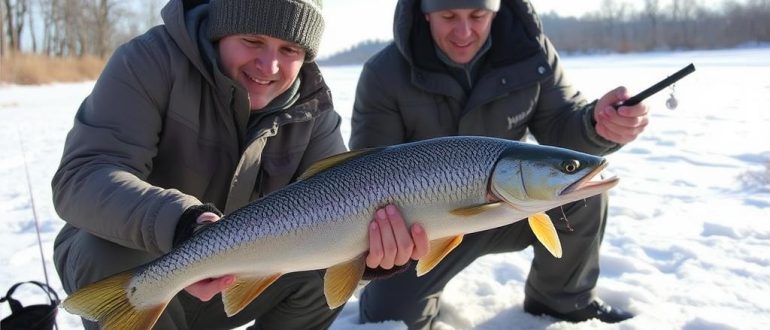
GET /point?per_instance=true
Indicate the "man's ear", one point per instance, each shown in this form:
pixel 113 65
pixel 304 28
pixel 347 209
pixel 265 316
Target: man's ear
pixel 427 18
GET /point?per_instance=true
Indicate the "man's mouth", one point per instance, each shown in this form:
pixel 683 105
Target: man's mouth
pixel 256 80
pixel 460 44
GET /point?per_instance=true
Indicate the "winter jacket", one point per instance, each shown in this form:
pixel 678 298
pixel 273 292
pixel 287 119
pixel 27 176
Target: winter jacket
pixel 405 92
pixel 164 129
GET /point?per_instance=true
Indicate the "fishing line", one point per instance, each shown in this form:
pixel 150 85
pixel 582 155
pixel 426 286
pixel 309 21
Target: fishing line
pixel 34 211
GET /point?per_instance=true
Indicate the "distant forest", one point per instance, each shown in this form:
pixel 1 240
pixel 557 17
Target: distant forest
pixel 619 28
pixel 77 28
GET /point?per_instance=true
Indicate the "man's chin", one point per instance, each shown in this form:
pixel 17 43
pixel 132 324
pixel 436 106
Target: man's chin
pixel 258 103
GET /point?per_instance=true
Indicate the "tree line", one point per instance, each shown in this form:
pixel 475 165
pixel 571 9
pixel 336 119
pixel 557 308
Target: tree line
pixel 679 25
pixel 74 28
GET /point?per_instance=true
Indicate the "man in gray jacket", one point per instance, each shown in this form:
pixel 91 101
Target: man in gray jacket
pixel 221 104
pixel 484 67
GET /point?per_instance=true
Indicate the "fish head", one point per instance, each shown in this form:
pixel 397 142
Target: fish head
pixel 535 178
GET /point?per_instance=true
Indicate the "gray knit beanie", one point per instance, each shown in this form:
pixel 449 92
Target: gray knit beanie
pixel 298 21
pixel 429 6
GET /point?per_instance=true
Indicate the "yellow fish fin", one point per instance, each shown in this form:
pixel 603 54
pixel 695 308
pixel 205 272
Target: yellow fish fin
pixel 545 232
pixel 439 249
pixel 341 280
pixel 331 161
pixel 245 289
pixel 106 302
pixel 476 209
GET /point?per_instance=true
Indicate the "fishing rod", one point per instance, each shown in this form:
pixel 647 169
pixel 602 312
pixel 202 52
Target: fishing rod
pixel 634 100
pixel 34 215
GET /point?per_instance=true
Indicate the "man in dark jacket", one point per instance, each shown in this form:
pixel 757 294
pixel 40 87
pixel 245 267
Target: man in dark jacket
pixel 222 104
pixel 484 67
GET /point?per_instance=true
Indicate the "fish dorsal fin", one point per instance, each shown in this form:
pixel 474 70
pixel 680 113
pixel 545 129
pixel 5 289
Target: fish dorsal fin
pixel 335 160
pixel 106 302
pixel 476 209
pixel 439 249
pixel 342 279
pixel 545 232
pixel 245 289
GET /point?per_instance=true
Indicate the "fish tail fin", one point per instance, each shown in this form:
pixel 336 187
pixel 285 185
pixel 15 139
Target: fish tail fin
pixel 106 302
pixel 546 233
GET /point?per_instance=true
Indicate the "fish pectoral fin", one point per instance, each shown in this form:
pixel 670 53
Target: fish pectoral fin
pixel 545 232
pixel 106 302
pixel 245 289
pixel 341 280
pixel 439 249
pixel 476 209
pixel 334 160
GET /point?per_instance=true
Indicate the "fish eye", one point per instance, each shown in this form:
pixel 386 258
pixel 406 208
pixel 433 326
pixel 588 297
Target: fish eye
pixel 570 166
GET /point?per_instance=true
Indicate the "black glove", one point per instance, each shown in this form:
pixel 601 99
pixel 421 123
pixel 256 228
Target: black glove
pixel 382 273
pixel 188 225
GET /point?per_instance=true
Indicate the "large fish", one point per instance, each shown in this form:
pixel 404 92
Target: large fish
pixel 452 186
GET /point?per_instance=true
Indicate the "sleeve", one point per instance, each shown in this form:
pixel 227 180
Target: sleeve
pixel 563 116
pixel 100 185
pixel 376 119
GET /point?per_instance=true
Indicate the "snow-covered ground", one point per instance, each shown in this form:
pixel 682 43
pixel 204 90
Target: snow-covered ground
pixel 687 245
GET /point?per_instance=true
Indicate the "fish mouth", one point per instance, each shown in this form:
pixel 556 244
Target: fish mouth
pixel 587 186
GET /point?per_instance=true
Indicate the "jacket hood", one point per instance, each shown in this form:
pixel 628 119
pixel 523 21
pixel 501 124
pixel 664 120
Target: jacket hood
pixel 516 34
pixel 186 30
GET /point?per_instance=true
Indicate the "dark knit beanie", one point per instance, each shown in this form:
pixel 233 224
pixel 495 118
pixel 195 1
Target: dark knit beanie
pixel 298 21
pixel 429 6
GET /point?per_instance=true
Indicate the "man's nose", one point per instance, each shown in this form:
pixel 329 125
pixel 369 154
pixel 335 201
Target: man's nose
pixel 463 29
pixel 267 62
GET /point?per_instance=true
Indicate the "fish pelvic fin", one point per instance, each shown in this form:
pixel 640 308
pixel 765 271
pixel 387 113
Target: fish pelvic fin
pixel 245 289
pixel 332 161
pixel 439 248
pixel 545 232
pixel 106 302
pixel 476 209
pixel 341 280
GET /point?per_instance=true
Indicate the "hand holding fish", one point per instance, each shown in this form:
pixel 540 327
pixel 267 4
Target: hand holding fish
pixel 391 243
pixel 622 125
pixel 208 288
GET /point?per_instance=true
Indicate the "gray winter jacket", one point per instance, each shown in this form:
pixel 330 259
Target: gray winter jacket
pixel 406 94
pixel 165 129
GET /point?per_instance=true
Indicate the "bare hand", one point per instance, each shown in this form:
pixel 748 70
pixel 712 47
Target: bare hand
pixel 623 125
pixel 208 288
pixel 390 243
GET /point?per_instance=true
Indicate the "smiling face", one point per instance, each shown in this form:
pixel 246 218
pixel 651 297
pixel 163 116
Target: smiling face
pixel 265 66
pixel 460 33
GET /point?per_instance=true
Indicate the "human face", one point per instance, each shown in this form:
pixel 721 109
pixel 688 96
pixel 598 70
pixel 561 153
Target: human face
pixel 460 33
pixel 265 66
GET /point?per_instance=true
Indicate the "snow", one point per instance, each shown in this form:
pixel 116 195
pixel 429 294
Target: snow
pixel 688 239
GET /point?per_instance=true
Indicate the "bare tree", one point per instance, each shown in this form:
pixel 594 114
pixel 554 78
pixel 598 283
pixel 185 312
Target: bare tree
pixel 2 31
pixel 31 18
pixel 650 14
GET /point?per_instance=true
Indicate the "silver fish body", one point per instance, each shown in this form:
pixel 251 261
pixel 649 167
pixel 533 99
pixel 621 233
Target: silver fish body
pixel 451 186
